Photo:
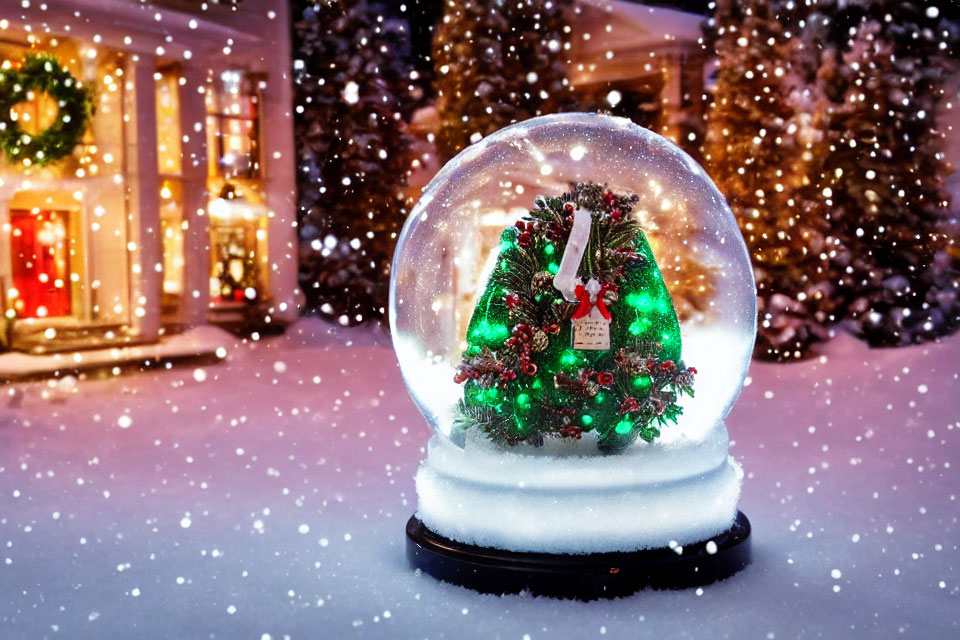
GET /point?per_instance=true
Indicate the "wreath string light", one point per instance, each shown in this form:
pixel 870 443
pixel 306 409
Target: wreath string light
pixel 75 107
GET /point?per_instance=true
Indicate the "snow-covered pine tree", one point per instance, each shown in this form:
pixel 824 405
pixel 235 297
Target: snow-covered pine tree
pixel 899 275
pixel 352 86
pixel 497 63
pixel 763 134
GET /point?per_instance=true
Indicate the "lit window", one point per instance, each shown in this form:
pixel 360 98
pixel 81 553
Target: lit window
pixel 233 126
pixel 238 215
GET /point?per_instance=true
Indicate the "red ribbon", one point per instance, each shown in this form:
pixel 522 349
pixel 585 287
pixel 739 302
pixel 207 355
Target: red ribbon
pixel 585 305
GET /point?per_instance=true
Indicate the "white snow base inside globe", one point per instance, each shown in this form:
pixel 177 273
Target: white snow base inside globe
pixel 551 500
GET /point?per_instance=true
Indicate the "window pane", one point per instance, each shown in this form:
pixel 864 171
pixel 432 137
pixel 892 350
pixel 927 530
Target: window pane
pixel 171 230
pixel 238 240
pixel 168 123
pixel 236 275
pixel 233 126
pixel 234 95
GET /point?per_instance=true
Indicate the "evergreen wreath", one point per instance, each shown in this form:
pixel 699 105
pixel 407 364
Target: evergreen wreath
pixel 523 382
pixel 75 103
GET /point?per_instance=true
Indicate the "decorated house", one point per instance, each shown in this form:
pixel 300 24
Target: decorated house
pixel 146 171
pixel 643 62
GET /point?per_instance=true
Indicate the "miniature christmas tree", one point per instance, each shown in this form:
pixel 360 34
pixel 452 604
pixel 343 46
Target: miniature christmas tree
pixel 575 331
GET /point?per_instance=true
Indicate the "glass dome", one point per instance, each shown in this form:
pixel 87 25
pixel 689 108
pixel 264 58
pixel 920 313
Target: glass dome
pixel 449 246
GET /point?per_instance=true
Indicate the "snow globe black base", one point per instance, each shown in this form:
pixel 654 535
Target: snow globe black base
pixel 581 577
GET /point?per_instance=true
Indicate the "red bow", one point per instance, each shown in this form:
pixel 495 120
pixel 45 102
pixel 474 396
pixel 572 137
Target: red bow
pixel 585 305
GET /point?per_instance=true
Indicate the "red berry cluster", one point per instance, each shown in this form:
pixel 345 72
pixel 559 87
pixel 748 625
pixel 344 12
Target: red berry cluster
pixel 629 404
pixel 524 231
pixel 611 204
pixel 655 404
pixel 560 231
pixel 603 378
pixel 573 431
pixel 656 366
pixel 557 232
pixel 520 341
pixel 586 385
pixel 528 367
pixel 522 335
pixel 484 368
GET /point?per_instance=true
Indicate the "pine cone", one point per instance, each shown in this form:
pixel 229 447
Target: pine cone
pixel 540 341
pixel 541 281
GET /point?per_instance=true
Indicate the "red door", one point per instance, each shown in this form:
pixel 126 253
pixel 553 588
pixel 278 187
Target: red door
pixel 41 263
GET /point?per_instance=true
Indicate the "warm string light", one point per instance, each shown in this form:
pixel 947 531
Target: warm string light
pixel 802 139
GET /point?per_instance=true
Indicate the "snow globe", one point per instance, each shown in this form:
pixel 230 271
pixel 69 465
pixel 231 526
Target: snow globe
pixel 573 309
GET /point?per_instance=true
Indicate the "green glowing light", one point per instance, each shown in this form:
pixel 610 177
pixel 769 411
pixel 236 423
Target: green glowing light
pixel 639 325
pixel 623 427
pixel 549 249
pixel 642 382
pixel 600 398
pixel 523 400
pixel 553 267
pixel 489 396
pixel 569 358
pixel 488 331
pixel 587 420
pixel 640 300
pixel 537 384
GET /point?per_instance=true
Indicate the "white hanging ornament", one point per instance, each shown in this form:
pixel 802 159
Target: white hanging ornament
pixel 591 320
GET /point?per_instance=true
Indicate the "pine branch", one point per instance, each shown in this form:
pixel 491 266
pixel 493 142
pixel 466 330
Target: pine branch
pixel 494 425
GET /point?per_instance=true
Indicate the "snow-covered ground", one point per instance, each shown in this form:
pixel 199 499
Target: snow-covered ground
pixel 266 498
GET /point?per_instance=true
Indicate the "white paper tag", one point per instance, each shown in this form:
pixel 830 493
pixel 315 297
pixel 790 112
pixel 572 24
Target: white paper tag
pixel 591 334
